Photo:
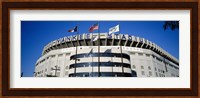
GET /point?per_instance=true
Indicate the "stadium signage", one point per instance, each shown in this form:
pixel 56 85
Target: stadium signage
pixel 92 36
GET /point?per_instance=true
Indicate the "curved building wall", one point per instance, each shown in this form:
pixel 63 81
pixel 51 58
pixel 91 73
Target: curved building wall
pixel 65 63
pixel 138 59
pixel 107 62
pixel 136 62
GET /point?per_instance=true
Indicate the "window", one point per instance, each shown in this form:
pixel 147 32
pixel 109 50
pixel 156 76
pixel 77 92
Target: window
pixel 140 54
pixel 147 55
pixel 142 67
pixel 155 69
pixel 149 67
pixel 53 56
pixel 67 54
pixel 133 67
pixel 132 53
pixel 158 70
pixel 156 74
pixel 150 73
pixel 143 73
pixel 60 55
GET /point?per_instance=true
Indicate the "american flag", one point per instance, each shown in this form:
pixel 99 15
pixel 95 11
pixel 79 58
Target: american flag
pixel 94 27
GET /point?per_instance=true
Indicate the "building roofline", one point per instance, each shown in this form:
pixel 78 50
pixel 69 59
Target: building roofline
pixel 107 40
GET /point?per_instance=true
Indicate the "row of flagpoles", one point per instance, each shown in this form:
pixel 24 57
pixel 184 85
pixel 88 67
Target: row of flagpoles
pixel 91 29
pixel 96 27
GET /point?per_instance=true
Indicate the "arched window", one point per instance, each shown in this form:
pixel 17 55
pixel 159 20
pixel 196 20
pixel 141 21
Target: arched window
pixel 133 67
pixel 142 67
pixel 150 73
pixel 149 67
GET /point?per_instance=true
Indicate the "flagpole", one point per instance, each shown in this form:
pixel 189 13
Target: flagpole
pixel 99 50
pixel 77 32
pixel 121 51
pixel 92 52
pixel 92 62
pixel 92 39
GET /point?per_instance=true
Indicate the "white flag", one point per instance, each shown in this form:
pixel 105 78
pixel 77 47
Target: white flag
pixel 114 29
pixel 95 38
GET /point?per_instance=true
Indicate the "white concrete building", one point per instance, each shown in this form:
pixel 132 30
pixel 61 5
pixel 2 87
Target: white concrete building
pixel 119 55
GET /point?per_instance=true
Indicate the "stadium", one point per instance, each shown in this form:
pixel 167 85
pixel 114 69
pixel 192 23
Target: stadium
pixel 105 55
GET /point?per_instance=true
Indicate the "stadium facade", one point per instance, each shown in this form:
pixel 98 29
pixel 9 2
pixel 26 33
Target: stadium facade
pixel 115 55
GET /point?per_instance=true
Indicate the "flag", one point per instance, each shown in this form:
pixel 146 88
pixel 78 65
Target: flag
pixel 114 29
pixel 75 29
pixel 94 27
pixel 95 38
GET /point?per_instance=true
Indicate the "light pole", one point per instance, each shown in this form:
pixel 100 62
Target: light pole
pixel 56 69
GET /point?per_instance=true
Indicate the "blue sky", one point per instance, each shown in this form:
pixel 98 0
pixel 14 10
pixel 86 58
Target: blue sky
pixel 36 34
